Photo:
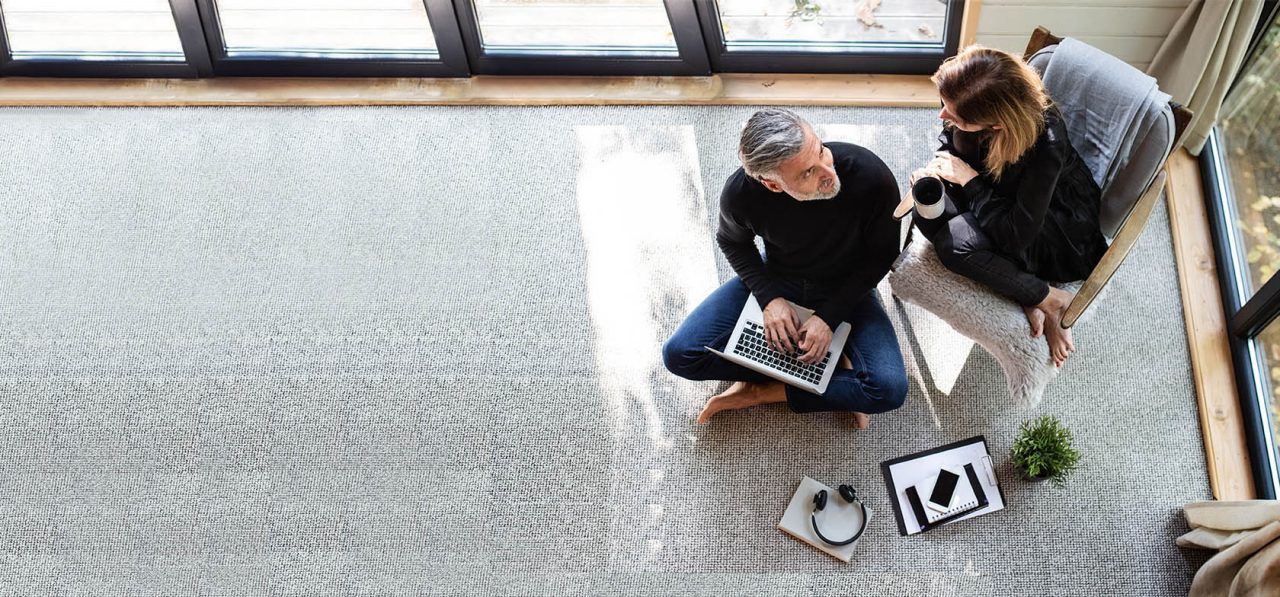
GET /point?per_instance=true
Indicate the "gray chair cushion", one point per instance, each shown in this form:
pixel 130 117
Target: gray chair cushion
pixel 1131 172
pixel 1133 178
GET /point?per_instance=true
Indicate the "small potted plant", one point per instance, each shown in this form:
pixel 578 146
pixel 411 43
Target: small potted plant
pixel 1043 451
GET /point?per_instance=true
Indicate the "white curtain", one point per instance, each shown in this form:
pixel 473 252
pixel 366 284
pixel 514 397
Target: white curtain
pixel 1201 57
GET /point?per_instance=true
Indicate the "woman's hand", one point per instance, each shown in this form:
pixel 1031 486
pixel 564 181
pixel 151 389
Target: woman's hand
pixel 951 168
pixel 918 174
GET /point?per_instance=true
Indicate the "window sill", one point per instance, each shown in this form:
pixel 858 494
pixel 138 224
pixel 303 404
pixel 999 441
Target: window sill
pixel 724 89
pixel 1221 421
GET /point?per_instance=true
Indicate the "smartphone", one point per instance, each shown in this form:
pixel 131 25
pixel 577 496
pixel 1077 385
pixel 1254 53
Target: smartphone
pixel 943 490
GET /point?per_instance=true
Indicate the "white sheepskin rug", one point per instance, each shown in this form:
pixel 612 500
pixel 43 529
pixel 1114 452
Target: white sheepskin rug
pixel 992 321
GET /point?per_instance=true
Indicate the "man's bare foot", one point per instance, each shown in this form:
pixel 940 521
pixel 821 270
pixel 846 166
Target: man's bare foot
pixel 743 395
pixel 1035 317
pixel 1059 339
pixel 860 420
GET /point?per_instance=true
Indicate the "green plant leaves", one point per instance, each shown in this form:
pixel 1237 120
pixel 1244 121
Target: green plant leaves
pixel 1043 448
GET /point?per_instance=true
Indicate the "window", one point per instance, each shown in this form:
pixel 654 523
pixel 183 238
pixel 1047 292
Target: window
pixel 76 37
pixel 618 27
pixel 382 38
pixel 904 36
pixel 833 26
pixel 338 29
pixel 1249 133
pixel 583 37
pixel 92 30
pixel 1267 345
pixel 1243 177
pixel 431 38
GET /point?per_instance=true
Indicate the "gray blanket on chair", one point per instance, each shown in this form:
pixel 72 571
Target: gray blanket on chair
pixel 1117 105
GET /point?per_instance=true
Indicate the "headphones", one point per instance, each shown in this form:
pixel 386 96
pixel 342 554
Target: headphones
pixel 820 502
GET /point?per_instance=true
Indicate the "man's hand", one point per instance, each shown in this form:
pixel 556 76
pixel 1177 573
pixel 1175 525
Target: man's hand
pixel 951 168
pixel 815 337
pixel 780 323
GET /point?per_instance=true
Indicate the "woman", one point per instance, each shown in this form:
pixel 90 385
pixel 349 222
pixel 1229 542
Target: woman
pixel 1021 206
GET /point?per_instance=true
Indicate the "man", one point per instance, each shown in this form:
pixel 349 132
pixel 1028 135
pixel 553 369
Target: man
pixel 825 212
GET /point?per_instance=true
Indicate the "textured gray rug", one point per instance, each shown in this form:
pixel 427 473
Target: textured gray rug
pixel 415 350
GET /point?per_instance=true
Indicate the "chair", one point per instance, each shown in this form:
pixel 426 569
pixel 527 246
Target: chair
pixel 1133 182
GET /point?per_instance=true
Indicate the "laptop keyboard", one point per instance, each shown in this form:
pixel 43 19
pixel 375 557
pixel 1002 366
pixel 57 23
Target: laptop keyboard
pixel 752 345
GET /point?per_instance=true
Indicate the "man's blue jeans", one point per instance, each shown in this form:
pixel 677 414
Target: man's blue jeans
pixel 877 383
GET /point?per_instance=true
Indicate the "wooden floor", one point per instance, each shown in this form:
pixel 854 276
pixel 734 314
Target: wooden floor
pixel 821 90
pixel 1221 421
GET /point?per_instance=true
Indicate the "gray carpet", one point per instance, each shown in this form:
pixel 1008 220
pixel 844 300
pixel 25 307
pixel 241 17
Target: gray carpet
pixel 415 351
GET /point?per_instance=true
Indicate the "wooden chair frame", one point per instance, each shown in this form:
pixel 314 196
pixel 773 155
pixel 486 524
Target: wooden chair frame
pixel 1134 222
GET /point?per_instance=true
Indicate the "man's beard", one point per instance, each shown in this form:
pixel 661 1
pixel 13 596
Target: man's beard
pixel 821 195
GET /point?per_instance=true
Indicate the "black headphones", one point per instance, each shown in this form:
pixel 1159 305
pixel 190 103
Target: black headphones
pixel 850 496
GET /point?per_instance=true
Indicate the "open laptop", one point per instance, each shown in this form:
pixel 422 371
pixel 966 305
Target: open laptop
pixel 747 347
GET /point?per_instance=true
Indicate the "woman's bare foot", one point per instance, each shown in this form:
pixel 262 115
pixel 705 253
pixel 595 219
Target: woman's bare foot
pixel 1035 317
pixel 1060 344
pixel 743 395
pixel 1053 306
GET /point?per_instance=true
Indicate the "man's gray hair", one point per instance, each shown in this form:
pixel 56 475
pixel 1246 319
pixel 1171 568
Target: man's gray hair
pixel 772 136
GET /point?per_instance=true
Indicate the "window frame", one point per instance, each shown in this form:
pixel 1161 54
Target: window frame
pixel 196 63
pixel 691 57
pixel 700 51
pixel 1246 317
pixel 893 62
pixel 1247 314
pixel 444 26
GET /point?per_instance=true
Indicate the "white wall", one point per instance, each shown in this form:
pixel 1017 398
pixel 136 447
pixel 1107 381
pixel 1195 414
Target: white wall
pixel 1131 30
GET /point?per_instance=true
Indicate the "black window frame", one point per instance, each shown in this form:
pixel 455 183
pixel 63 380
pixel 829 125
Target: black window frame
pixel 196 63
pixel 452 61
pixel 878 58
pixel 1247 315
pixel 690 58
pixel 700 51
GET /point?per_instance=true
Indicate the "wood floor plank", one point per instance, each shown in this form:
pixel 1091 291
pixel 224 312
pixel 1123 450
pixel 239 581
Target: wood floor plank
pixel 1221 421
pixel 744 89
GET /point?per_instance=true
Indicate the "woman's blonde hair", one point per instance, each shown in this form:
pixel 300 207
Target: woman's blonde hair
pixel 986 86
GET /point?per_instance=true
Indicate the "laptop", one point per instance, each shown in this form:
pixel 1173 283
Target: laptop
pixel 747 347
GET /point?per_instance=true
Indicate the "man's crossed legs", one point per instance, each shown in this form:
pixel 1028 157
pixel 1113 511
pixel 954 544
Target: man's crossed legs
pixel 874 382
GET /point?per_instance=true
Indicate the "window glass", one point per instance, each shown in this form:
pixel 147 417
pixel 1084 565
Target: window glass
pixel 766 23
pixel 91 30
pixel 326 28
pixel 1267 345
pixel 1250 136
pixel 576 26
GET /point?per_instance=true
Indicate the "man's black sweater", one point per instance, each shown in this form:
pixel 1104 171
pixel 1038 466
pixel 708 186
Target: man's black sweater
pixel 844 244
